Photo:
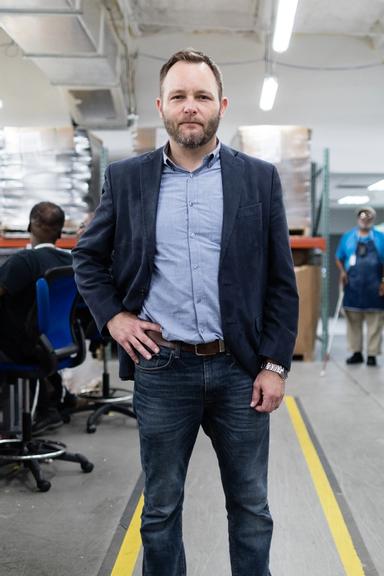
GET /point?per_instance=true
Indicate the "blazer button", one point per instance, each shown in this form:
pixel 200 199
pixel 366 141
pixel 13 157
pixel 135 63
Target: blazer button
pixel 143 290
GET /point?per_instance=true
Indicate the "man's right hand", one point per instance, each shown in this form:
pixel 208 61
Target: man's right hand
pixel 130 332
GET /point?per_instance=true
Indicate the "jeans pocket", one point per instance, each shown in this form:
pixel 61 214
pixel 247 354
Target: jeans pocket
pixel 232 362
pixel 159 361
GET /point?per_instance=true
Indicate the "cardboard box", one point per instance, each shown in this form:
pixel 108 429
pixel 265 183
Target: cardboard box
pixel 288 148
pixel 308 280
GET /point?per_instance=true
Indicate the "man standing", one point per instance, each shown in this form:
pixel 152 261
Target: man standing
pixel 18 277
pixel 360 259
pixel 187 264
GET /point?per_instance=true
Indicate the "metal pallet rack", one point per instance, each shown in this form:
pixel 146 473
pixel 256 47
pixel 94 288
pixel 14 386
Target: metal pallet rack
pixel 320 228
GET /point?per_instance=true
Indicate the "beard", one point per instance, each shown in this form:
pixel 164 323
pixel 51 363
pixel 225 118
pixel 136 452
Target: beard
pixel 196 138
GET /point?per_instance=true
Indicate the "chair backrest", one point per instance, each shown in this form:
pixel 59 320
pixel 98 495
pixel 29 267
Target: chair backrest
pixel 55 333
pixel 60 334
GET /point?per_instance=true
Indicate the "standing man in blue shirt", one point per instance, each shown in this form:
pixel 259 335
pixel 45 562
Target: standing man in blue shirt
pixel 360 260
pixel 187 265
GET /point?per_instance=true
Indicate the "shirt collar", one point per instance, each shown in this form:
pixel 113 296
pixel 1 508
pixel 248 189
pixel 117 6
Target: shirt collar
pixel 45 245
pixel 369 236
pixel 208 160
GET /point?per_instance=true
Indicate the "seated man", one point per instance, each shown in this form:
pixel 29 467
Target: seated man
pixel 18 277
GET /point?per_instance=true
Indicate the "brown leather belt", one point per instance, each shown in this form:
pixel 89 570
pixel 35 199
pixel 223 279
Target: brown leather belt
pixel 205 349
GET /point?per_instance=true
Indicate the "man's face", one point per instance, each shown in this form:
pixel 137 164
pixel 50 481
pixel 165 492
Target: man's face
pixel 365 220
pixel 189 104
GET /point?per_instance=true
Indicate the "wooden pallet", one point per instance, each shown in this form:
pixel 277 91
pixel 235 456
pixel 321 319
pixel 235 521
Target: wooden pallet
pixel 305 357
pixel 300 231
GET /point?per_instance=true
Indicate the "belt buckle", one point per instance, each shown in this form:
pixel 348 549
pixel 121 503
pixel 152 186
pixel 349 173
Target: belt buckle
pixel 221 349
pixel 199 353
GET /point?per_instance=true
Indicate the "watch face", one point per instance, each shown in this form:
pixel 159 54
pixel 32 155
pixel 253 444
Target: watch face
pixel 280 370
pixel 277 368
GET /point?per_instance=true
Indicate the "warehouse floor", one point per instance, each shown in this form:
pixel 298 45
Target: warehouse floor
pixel 326 489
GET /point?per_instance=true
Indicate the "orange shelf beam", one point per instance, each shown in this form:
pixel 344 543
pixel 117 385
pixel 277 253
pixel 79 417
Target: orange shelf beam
pixel 307 242
pixel 65 242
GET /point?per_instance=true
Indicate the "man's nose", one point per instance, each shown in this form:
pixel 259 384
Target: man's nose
pixel 190 106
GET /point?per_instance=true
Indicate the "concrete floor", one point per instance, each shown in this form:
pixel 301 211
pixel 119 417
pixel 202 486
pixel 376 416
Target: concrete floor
pixel 68 530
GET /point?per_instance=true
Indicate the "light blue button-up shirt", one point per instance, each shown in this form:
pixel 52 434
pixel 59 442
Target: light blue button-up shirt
pixel 184 295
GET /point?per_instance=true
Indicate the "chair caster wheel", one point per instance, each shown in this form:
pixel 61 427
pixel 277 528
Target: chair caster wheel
pixel 43 485
pixel 66 418
pixel 87 467
pixel 91 429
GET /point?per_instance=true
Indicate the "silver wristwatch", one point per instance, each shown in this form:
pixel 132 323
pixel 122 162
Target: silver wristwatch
pixel 280 370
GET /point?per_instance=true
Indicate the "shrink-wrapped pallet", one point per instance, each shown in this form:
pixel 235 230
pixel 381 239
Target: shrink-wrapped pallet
pixel 288 148
pixel 59 165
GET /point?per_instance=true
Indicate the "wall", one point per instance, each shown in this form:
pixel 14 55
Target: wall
pixel 343 108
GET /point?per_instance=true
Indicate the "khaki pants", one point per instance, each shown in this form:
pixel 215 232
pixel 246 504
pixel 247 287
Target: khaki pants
pixel 355 321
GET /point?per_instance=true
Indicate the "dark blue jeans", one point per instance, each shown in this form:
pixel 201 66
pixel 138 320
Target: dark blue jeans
pixel 175 393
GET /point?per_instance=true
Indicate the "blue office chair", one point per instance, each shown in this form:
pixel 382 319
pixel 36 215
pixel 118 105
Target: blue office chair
pixel 59 343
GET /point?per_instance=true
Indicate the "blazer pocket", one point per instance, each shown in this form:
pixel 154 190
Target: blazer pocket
pixel 250 210
pixel 249 231
pixel 259 323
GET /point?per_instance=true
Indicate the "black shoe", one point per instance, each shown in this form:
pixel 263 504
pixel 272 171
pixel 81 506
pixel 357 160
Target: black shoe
pixel 48 421
pixel 356 358
pixel 371 361
pixel 71 404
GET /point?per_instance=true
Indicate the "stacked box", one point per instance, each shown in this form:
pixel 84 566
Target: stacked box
pixel 288 148
pixel 308 279
pixel 46 164
pixel 149 138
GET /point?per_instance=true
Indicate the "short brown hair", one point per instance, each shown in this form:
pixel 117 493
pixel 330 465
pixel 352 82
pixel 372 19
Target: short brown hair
pixel 193 57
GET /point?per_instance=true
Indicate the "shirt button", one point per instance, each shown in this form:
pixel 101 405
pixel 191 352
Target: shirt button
pixel 195 266
pixel 191 203
pixel 192 234
pixel 191 175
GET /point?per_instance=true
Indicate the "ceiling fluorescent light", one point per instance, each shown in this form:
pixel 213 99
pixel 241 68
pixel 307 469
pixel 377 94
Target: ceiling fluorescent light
pixel 353 200
pixel 377 186
pixel 1 104
pixel 285 18
pixel 268 93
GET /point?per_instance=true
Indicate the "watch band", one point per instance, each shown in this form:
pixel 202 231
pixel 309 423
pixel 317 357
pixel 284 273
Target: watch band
pixel 277 368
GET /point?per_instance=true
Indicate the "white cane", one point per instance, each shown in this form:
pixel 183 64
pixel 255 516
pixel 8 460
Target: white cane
pixel 333 330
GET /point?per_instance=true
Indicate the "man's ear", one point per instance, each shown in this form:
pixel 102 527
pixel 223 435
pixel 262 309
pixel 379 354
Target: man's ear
pixel 159 107
pixel 223 105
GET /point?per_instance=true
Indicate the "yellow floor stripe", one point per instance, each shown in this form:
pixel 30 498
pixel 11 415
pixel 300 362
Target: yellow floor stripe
pixel 336 523
pixel 130 548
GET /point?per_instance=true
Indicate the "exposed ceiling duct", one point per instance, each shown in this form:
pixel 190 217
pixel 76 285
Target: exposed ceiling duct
pixel 74 44
pixel 100 107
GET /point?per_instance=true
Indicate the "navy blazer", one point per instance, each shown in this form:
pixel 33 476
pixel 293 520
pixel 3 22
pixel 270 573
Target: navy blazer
pixel 114 258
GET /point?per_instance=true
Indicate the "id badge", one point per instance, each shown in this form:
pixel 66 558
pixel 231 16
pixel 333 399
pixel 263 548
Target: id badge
pixel 352 260
pixel 362 249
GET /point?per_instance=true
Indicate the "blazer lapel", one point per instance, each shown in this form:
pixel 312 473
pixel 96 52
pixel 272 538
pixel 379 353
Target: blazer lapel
pixel 232 172
pixel 150 179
